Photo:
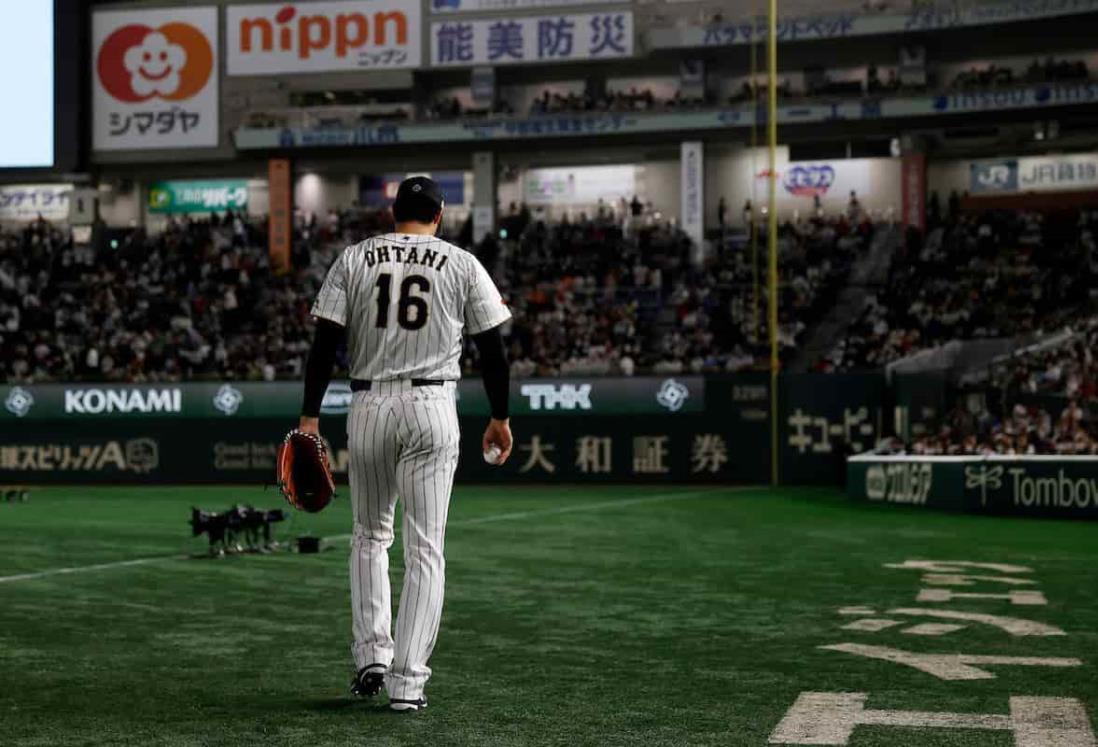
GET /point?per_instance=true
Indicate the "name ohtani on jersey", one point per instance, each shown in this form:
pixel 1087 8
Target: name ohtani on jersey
pixel 404 255
pixel 406 301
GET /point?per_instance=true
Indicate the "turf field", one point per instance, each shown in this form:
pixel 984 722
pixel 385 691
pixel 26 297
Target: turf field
pixel 574 616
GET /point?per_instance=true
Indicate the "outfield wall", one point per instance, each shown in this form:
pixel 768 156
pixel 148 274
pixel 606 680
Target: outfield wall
pixel 1050 486
pixel 689 429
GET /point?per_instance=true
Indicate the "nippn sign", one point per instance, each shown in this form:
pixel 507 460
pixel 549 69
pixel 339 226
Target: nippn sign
pixel 312 37
pixel 155 79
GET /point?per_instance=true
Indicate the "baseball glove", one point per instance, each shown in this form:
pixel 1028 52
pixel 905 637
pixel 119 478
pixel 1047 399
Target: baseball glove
pixel 303 473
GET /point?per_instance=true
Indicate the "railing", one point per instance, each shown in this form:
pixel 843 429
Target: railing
pixel 319 117
pixel 340 117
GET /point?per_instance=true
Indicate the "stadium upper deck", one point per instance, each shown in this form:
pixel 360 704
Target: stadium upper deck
pixel 320 77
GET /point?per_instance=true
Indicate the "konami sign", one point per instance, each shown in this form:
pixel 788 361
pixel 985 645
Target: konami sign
pixel 312 37
pixel 98 401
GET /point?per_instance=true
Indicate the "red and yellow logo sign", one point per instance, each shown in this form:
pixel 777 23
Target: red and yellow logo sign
pixel 137 62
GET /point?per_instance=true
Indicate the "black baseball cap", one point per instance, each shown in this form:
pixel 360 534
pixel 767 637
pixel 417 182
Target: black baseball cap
pixel 417 193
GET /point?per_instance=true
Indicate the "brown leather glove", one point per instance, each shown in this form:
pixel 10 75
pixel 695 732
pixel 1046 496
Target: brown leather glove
pixel 303 473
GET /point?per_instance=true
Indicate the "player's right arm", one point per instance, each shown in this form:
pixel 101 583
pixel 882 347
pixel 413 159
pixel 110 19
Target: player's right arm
pixel 495 370
pixel 330 312
pixel 485 313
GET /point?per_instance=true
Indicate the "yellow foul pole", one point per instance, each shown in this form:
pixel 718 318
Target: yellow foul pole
pixel 772 226
pixel 755 321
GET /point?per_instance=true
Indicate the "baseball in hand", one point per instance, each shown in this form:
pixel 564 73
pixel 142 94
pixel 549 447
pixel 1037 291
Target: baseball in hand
pixel 492 455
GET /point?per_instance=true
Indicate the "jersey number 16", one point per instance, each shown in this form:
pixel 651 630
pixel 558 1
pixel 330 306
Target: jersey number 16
pixel 411 309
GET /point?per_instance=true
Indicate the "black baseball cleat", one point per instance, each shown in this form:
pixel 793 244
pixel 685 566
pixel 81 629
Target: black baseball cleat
pixel 406 706
pixel 369 681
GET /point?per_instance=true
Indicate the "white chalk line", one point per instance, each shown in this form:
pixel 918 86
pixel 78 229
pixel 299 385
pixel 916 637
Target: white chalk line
pixel 513 515
pixel 89 568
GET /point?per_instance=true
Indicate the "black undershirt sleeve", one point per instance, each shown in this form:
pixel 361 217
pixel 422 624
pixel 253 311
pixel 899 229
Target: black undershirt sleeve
pixel 495 370
pixel 318 368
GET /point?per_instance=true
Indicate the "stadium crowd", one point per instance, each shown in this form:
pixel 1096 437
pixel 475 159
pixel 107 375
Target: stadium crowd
pixel 451 108
pixel 1067 368
pixel 616 292
pixel 631 100
pixel 600 296
pixel 992 274
pixel 1024 429
pixel 1049 70
pixel 195 301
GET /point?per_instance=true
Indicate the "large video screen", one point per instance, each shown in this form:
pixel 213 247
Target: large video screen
pixel 27 87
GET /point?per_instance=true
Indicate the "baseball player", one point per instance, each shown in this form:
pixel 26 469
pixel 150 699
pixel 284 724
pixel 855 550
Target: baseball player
pixel 403 301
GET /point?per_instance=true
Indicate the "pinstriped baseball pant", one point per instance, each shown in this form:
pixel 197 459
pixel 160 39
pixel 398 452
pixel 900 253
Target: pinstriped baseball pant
pixel 403 442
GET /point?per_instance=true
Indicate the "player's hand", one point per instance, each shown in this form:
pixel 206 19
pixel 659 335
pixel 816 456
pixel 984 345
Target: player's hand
pixel 498 434
pixel 309 425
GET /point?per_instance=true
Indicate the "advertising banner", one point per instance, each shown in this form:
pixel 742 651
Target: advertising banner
pixel 999 176
pixel 826 418
pixel 913 190
pixel 317 37
pixel 512 40
pixel 242 400
pixel 154 83
pixel 580 185
pixel 692 164
pixel 692 448
pixel 875 181
pixel 1061 173
pixel 566 429
pixel 1049 486
pixel 688 428
pixel 280 219
pixel 822 178
pixel 921 17
pixel 214 195
pixel 25 202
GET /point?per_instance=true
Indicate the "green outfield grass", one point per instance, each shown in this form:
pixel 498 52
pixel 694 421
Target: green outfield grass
pixel 574 616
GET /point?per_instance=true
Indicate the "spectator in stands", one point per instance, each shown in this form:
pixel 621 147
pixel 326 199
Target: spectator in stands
pixel 199 301
pixel 1026 430
pixel 997 274
pixel 853 206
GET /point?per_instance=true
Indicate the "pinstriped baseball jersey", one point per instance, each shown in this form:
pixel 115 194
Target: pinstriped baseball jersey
pixel 405 301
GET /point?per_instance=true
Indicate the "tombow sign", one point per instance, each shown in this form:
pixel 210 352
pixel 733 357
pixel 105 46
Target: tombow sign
pixel 1062 486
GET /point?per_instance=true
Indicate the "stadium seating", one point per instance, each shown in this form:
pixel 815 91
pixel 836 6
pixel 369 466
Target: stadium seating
pixel 994 274
pixel 591 296
pixel 1066 367
pixel 196 301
